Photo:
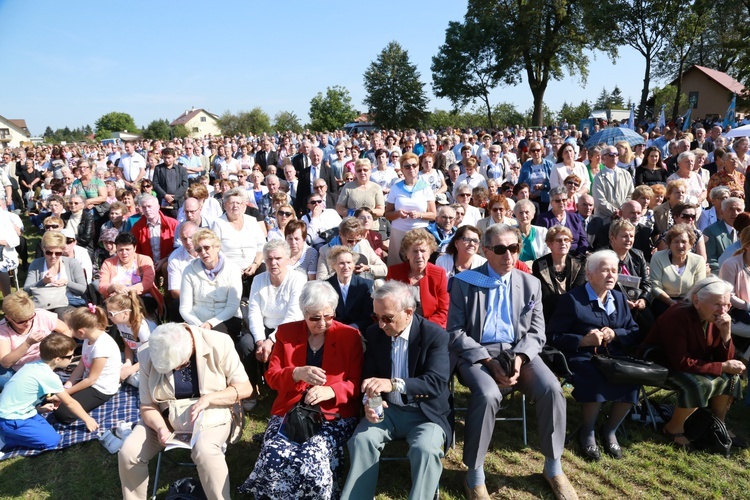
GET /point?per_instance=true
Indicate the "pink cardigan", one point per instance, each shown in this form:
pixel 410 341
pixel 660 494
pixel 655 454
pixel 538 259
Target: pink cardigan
pixel 145 269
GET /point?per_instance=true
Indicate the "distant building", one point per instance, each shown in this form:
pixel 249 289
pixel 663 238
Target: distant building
pixel 13 132
pixel 199 123
pixel 709 90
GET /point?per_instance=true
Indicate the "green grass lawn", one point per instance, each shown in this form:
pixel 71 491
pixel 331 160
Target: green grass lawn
pixel 651 467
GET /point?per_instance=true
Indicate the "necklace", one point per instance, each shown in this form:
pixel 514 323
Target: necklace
pixel 315 349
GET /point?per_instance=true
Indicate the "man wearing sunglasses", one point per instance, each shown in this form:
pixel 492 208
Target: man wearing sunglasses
pixel 496 330
pixel 406 362
pixel 612 186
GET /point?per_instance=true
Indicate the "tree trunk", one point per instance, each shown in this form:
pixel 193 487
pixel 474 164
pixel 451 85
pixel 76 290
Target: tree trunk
pixel 644 90
pixel 486 99
pixel 676 107
pixel 537 118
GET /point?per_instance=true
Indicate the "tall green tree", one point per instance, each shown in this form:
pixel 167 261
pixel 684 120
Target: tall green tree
pixel 395 96
pixel 462 68
pixel 575 113
pixel 158 129
pixel 667 95
pixel 114 122
pixel 255 121
pixel 332 110
pixel 286 120
pixel 540 38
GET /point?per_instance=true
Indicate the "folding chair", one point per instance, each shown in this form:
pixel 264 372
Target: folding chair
pixel 163 453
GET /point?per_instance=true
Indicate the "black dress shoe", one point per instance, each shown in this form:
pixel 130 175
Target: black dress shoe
pixel 591 452
pixel 613 450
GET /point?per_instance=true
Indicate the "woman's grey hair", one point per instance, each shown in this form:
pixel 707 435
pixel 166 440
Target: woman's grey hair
pixel 557 191
pixel 684 155
pixel 709 287
pixel 525 203
pixel 276 245
pixel 499 230
pixel 398 292
pixel 239 192
pixel 169 346
pixel 719 191
pixel 317 295
pixel 595 259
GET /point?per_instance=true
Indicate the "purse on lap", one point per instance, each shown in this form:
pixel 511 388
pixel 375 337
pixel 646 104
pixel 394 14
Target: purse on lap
pixel 49 297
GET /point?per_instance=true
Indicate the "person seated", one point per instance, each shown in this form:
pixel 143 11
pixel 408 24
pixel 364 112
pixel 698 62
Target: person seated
pixel 595 318
pixel 274 300
pixel 676 269
pixel 428 282
pixel 21 331
pixel 719 235
pixel 558 215
pixel 716 196
pixel 303 258
pixel 80 222
pixel 319 220
pixel 128 270
pixel 685 213
pixel 407 365
pixel 170 369
pixel 558 271
pixel 77 252
pixel 675 193
pixel 128 314
pixel 695 341
pixel 317 361
pixel 354 307
pixel 499 213
pixel 117 211
pixel 378 240
pixel 154 232
pixel 211 287
pixel 176 265
pixel 533 236
pixel 9 240
pixel 631 211
pixel 733 271
pixel 54 270
pixel 443 228
pixel 351 234
pixel 20 424
pixel 462 252
pixel 107 249
pixel 283 215
pixel 96 378
pixel 471 214
pixel 740 223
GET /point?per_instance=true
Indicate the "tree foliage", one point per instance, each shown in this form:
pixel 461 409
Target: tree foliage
pixel 180 131
pixel 573 114
pixel 255 121
pixel 78 134
pixel 114 122
pixel 395 96
pixel 286 120
pixel 541 38
pixel 666 95
pixel 332 110
pixel 158 129
pixel 609 100
pixel 462 68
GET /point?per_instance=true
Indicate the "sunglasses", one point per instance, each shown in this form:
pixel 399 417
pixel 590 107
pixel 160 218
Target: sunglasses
pixel 22 322
pixel 534 150
pixel 612 155
pixel 67 357
pixel 51 226
pixel 112 314
pixel 410 165
pixel 470 241
pixel 203 248
pixel 314 202
pixel 385 319
pixel 50 253
pixel 322 186
pixel 560 200
pixel 574 184
pixel 315 319
pixel 501 249
pixel 284 214
pixel 353 241
pixel 688 216
pixel 464 194
pixel 498 209
pixel 70 240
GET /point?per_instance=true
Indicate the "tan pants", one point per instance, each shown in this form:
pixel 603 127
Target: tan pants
pixel 142 445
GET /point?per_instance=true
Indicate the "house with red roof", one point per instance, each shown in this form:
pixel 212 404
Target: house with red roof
pixel 199 122
pixel 13 132
pixel 709 90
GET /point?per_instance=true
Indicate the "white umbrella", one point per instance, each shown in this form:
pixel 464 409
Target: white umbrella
pixel 743 131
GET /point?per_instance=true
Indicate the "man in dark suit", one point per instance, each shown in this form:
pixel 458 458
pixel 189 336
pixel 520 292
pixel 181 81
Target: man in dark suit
pixel 701 142
pixel 170 183
pixel 355 306
pixel 309 175
pixel 495 319
pixel 630 210
pixel 265 156
pixel 406 362
pixel 302 159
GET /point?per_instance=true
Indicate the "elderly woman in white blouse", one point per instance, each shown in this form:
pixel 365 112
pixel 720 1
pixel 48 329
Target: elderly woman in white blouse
pixel 274 300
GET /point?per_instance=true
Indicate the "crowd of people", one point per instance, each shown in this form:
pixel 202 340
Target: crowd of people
pixel 342 271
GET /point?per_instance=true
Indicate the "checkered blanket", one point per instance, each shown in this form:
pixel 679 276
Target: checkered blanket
pixel 123 406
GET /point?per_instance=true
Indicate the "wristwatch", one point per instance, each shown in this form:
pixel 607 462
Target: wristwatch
pixel 398 385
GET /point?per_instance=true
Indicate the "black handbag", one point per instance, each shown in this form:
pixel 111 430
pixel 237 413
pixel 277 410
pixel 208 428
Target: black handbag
pixel 708 433
pixel 302 422
pixel 629 370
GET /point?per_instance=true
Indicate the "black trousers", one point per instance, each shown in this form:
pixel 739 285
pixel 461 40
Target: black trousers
pixel 89 398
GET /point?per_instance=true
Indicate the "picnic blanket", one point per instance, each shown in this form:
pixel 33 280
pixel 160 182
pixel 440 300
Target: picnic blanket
pixel 123 406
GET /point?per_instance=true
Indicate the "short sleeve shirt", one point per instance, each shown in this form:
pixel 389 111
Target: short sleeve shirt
pixel 104 347
pixel 44 321
pixel 25 388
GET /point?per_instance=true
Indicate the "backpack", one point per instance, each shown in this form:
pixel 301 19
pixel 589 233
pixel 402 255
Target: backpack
pixel 186 488
pixel 708 433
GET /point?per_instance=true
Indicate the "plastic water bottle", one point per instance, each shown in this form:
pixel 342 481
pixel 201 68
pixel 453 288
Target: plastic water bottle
pixel 376 403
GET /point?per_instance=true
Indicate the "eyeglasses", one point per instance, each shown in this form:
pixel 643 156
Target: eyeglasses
pixel 353 241
pixel 51 226
pixel 28 320
pixel 535 150
pixel 410 165
pixel 284 214
pixel 315 319
pixel 470 241
pixel 461 195
pixel 498 209
pixel 50 253
pixel 501 249
pixel 687 216
pixel 574 184
pixel 314 202
pixel 112 314
pixel 560 200
pixel 385 319
pixel 203 248
pixel 320 186
pixel 612 155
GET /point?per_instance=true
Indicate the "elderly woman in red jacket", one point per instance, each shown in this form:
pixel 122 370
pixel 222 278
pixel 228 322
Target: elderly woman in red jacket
pixel 317 361
pixel 695 337
pixel 428 281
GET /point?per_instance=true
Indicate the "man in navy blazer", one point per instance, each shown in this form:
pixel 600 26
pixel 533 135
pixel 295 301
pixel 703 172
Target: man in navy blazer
pixel 496 309
pixel 721 234
pixel 357 308
pixel 320 171
pixel 406 362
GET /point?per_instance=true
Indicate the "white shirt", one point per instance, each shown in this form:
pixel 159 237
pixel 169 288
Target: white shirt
pixel 132 165
pixel 271 306
pixel 176 264
pixel 105 346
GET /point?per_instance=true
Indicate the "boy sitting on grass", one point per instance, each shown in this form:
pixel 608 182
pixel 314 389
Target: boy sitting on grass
pixel 20 424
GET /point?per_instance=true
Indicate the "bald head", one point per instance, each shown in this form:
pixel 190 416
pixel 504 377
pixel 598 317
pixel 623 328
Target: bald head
pixel 631 210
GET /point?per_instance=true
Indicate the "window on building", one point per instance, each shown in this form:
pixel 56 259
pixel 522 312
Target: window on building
pixel 195 129
pixel 4 133
pixel 203 118
pixel 693 99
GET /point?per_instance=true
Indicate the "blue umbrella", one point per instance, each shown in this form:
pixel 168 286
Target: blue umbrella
pixel 612 135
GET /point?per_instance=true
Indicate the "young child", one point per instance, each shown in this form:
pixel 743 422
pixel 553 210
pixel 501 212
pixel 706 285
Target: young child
pixel 20 424
pixel 97 377
pixel 126 313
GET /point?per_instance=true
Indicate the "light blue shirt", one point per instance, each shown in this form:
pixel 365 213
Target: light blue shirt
pixel 400 361
pixel 498 326
pixel 609 303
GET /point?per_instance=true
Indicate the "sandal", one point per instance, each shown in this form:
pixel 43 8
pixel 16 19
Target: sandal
pixel 682 446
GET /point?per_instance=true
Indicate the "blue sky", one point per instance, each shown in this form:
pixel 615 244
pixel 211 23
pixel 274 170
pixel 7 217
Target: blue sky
pixel 66 63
